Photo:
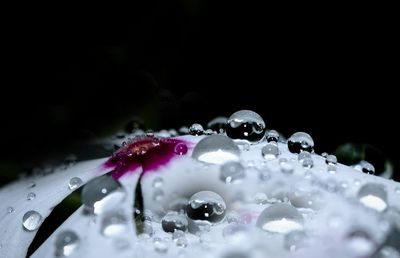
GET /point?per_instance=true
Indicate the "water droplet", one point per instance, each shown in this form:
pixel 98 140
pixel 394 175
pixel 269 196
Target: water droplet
pixel 183 130
pixel 31 196
pixel 216 149
pixel 365 167
pixel 294 240
pixel 286 166
pixel 174 221
pixel 373 196
pixel 66 243
pixel 102 193
pixel 208 132
pixel 158 195
pixel 308 163
pixel 272 136
pixel 303 155
pixel 32 220
pixel 331 160
pixel 74 183
pixel 260 198
pixel 324 154
pixel 270 151
pixel 218 124
pixel 181 149
pixel 160 245
pixel 206 206
pixel 196 129
pixel 299 142
pixel 280 218
pixel 10 210
pixel 245 125
pixel 360 243
pixel 157 182
pixel 331 169
pixel 231 172
pixel 113 224
pixel 181 242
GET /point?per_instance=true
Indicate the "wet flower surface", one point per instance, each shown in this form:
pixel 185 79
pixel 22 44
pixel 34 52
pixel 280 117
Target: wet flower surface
pixel 244 193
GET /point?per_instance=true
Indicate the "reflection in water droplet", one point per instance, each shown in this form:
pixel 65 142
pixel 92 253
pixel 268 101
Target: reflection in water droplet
pixel 102 193
pixel 32 220
pixel 74 183
pixel 303 155
pixel 31 196
pixel 300 141
pixel 373 196
pixel 206 206
pixel 270 151
pixel 66 243
pixel 174 221
pixel 331 169
pixel 180 149
pixel 113 224
pixel 245 125
pixel 294 240
pixel 196 129
pixel 286 166
pixel 231 172
pixel 280 218
pixel 216 149
pixel 365 167
pixel 331 160
pixel 272 136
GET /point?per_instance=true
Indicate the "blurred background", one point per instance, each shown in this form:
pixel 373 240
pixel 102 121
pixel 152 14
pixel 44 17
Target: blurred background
pixel 71 78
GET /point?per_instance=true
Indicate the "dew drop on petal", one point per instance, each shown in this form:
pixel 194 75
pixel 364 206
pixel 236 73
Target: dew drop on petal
pixel 272 136
pixel 231 172
pixel 74 183
pixel 206 206
pixel 373 196
pixel 114 223
pixel 365 167
pixel 66 243
pixel 246 125
pixel 216 149
pixel 181 149
pixel 196 129
pixel 31 196
pixel 32 220
pixel 174 221
pixel 299 142
pixel 270 151
pixel 331 160
pixel 10 210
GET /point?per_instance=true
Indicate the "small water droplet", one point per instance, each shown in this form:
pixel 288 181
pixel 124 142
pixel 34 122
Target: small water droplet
pixel 208 132
pixel 216 149
pixel 31 196
pixel 303 155
pixel 260 198
pixel 300 141
pixel 294 240
pixel 246 125
pixel 331 169
pixel 174 221
pixel 286 166
pixel 231 172
pixel 331 160
pixel 181 149
pixel 66 243
pixel 31 220
pixel 158 182
pixel 272 136
pixel 280 218
pixel 102 193
pixel 74 183
pixel 365 167
pixel 178 234
pixel 181 242
pixel 160 245
pixel 158 195
pixel 196 129
pixel 113 224
pixel 10 210
pixel 308 163
pixel 324 154
pixel 206 206
pixel 373 196
pixel 270 151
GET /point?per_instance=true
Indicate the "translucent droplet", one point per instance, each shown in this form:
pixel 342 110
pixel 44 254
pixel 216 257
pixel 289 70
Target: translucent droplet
pixel 280 218
pixel 260 198
pixel 158 182
pixel 373 196
pixel 286 166
pixel 66 243
pixel 216 149
pixel 206 206
pixel 102 193
pixel 231 172
pixel 32 220
pixel 300 141
pixel 294 240
pixel 360 243
pixel 31 196
pixel 174 221
pixel 303 155
pixel 196 129
pixel 181 242
pixel 181 149
pixel 160 245
pixel 74 183
pixel 272 136
pixel 218 124
pixel 308 163
pixel 331 160
pixel 158 195
pixel 365 167
pixel 270 151
pixel 331 169
pixel 245 125
pixel 10 210
pixel 208 132
pixel 114 223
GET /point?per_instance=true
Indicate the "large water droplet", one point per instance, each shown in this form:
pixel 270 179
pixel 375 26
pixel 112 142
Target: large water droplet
pixel 196 129
pixel 299 142
pixel 270 151
pixel 216 149
pixel 174 221
pixel 280 218
pixel 246 125
pixel 32 220
pixel 373 196
pixel 74 183
pixel 113 224
pixel 206 206
pixel 66 243
pixel 231 172
pixel 102 193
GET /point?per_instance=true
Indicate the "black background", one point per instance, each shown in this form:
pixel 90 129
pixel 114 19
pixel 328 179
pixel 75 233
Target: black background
pixel 71 76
